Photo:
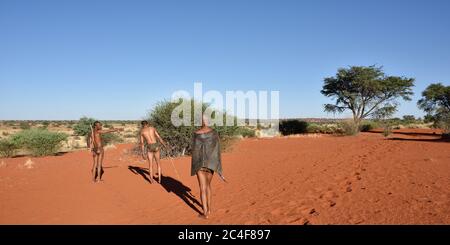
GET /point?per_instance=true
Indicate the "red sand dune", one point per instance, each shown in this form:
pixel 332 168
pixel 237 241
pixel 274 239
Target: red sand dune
pixel 365 179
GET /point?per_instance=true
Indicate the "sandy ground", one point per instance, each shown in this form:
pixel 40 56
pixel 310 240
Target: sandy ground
pixel 365 179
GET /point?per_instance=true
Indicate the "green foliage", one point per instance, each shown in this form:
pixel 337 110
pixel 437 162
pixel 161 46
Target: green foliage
pixel 387 130
pixel 408 119
pixel 83 127
pixel 323 128
pixel 366 126
pixel 7 148
pixel 24 125
pixel 349 128
pixel 365 91
pixel 246 132
pixel 289 127
pixel 435 102
pixel 180 138
pixel 40 142
pixel 111 138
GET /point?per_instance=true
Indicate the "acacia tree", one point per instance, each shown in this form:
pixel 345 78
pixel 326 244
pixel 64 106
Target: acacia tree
pixel 435 102
pixel 365 91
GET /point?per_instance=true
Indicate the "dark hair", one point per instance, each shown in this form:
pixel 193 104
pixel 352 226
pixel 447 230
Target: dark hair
pixel 144 123
pixel 95 123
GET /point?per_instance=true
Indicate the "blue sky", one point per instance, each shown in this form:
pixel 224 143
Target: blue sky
pixel 116 59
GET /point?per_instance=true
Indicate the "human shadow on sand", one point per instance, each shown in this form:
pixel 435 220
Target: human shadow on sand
pixel 437 140
pixel 171 185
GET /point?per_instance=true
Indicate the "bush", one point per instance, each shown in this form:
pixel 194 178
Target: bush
pixel 83 127
pixel 289 127
pixel 24 125
pixel 348 128
pixel 387 131
pixel 246 132
pixel 111 138
pixel 180 138
pixel 40 142
pixel 367 126
pixel 45 124
pixel 7 148
pixel 324 128
pixel 5 133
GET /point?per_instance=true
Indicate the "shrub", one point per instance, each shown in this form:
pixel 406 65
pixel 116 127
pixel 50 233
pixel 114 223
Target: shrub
pixel 24 125
pixel 180 138
pixel 314 128
pixel 5 133
pixel 45 124
pixel 246 132
pixel 83 127
pixel 409 119
pixel 349 128
pixel 443 122
pixel 387 131
pixel 130 136
pixel 111 138
pixel 367 126
pixel 289 127
pixel 318 128
pixel 7 148
pixel 40 142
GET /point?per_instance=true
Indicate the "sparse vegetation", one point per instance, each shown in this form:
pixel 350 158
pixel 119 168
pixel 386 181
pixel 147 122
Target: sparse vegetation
pixel 7 148
pixel 24 125
pixel 366 126
pixel 290 127
pixel 364 91
pixel 40 142
pixel 246 132
pixel 435 102
pixel 180 138
pixel 111 138
pixel 349 128
pixel 83 127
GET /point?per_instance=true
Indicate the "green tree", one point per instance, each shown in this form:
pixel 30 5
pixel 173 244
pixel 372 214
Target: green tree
pixel 180 138
pixel 365 91
pixel 435 102
pixel 83 127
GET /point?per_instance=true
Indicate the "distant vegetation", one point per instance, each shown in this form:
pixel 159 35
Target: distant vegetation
pixel 435 102
pixel 7 148
pixel 40 142
pixel 366 92
pixel 83 128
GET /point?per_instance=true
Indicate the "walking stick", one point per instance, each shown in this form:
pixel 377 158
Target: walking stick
pixel 173 165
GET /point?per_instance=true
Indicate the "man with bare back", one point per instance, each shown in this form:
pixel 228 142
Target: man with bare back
pixel 96 146
pixel 150 146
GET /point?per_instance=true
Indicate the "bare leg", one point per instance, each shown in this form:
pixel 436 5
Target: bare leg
pixel 202 181
pixel 150 165
pixel 99 165
pixel 102 155
pixel 94 167
pixel 209 177
pixel 158 164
